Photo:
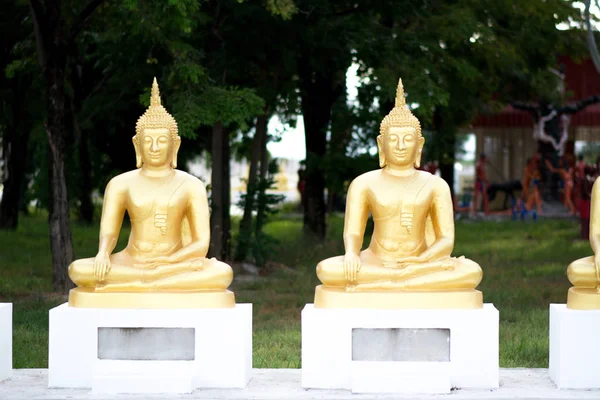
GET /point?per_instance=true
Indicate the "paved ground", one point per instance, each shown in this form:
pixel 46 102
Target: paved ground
pixel 285 384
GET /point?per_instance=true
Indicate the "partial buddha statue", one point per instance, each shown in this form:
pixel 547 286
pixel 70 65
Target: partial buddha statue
pixel 164 264
pixel 408 263
pixel 281 180
pixel 584 273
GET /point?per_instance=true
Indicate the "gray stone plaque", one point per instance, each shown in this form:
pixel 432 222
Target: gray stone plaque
pixel 172 344
pixel 400 344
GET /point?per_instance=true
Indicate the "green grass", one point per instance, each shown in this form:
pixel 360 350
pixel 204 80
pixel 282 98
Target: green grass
pixel 524 271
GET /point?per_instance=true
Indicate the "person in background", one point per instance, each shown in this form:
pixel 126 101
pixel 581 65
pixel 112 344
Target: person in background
pixel 585 177
pixel 566 175
pixel 532 181
pixel 301 187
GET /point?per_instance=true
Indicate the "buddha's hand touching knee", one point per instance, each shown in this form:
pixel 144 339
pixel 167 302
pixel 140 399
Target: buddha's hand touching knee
pixel 102 266
pixel 351 266
pixel 597 265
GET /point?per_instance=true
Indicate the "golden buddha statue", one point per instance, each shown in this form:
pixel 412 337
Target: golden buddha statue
pixel 408 262
pixel 164 264
pixel 584 273
pixel 281 179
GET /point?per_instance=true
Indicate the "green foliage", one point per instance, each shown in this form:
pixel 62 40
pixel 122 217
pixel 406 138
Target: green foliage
pixel 115 56
pixel 265 205
pixel 229 105
pixel 285 8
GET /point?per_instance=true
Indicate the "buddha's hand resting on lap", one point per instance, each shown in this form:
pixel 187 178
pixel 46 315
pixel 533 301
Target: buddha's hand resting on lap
pixel 597 265
pixel 101 266
pixel 351 266
pixel 410 260
pixel 157 262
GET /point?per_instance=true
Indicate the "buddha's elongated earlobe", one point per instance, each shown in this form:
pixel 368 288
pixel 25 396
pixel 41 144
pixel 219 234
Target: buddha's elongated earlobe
pixel 176 145
pixel 419 152
pixel 418 160
pixel 380 151
pixel 138 153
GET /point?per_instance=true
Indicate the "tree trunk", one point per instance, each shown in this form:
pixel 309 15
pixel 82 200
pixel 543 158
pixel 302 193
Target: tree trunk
pixel 341 133
pixel 216 182
pixel 58 218
pixel 261 130
pixel 226 196
pixel 246 222
pixel 15 157
pixel 86 206
pixel 447 173
pixel 445 135
pixel 314 207
pixel 318 91
pixel 51 41
pixel 220 219
pixel 14 148
pixel 53 37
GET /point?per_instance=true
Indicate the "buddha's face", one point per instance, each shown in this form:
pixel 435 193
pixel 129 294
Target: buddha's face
pixel 156 147
pixel 400 146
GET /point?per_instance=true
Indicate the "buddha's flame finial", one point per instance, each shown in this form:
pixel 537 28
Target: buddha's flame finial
pixel 400 115
pixel 155 94
pixel 156 116
pixel 400 100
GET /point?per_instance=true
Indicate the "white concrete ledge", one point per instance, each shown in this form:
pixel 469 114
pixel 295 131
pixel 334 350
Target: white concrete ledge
pixel 6 335
pixel 271 384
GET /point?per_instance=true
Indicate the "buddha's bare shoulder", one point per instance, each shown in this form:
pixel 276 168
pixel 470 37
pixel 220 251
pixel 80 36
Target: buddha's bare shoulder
pixel 122 181
pixel 190 180
pixel 437 183
pixel 365 180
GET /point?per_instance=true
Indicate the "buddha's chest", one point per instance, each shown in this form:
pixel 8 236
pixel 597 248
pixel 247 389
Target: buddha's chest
pixel 391 201
pixel 146 201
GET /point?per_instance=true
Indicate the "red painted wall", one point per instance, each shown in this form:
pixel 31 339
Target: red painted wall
pixel 582 81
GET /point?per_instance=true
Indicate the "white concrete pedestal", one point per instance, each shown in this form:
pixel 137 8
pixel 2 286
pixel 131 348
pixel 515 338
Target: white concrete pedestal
pixel 5 340
pixel 334 356
pixel 574 347
pixel 150 350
